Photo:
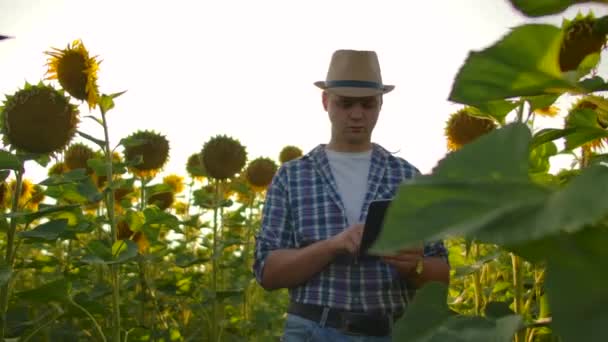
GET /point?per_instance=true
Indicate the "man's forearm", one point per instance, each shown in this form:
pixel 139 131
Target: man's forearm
pixel 285 268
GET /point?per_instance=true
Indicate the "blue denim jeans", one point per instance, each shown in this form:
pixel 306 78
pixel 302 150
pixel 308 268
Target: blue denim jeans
pixel 298 329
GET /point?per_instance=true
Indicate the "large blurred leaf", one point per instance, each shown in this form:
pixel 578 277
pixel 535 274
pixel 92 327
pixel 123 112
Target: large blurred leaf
pixel 44 211
pixel 55 291
pixel 493 203
pixel 576 282
pixel 429 319
pixel 523 63
pixel 49 231
pixel 538 8
pixel 499 155
pixel 121 252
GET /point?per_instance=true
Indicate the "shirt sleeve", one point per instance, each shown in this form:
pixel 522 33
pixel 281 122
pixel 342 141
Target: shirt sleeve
pixel 276 231
pixel 437 249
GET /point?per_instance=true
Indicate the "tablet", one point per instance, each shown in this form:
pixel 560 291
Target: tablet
pixel 373 223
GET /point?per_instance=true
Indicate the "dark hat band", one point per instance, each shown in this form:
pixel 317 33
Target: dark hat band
pixel 354 84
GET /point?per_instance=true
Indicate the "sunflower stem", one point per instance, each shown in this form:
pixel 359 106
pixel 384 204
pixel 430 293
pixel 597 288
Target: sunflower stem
pixel 518 292
pixel 214 334
pixel 10 253
pixel 114 268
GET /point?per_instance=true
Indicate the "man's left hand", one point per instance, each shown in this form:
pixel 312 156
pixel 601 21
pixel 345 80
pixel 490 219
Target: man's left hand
pixel 405 260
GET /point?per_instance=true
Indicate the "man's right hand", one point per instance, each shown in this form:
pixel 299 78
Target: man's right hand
pixel 347 241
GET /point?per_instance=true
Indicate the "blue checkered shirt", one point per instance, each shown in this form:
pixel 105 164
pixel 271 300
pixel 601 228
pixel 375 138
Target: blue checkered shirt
pixel 303 206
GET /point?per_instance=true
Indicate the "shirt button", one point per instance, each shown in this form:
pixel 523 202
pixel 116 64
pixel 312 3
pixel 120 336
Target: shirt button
pixel 356 300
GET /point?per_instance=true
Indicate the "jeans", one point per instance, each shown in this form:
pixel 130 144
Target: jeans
pixel 298 329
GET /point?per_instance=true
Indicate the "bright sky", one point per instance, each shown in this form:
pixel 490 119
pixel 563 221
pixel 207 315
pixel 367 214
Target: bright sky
pixel 194 69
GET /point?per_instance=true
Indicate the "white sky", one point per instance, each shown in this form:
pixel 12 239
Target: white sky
pixel 194 69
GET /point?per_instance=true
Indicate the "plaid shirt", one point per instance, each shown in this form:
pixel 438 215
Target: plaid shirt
pixel 303 206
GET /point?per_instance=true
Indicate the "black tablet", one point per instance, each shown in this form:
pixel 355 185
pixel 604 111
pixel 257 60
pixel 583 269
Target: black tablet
pixel 373 223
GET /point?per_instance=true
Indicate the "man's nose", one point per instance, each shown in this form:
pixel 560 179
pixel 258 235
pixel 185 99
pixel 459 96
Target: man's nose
pixel 356 112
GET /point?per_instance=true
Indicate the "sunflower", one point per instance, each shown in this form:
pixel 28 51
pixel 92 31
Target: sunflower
pixel 195 167
pixel 580 40
pixel 181 208
pixel 36 198
pixel 152 147
pixel 550 111
pixel 163 200
pixel 76 71
pixel 3 195
pixel 289 152
pixel 259 173
pixel 77 156
pixel 27 189
pixel 592 119
pixel 38 119
pixel 57 169
pixel 462 128
pixel 223 157
pixel 175 182
pixel 125 233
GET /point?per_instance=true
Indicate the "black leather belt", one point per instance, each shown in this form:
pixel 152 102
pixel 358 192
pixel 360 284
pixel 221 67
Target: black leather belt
pixel 348 322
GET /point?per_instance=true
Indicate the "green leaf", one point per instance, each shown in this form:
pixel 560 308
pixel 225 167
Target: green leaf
pixel 549 134
pixel 538 8
pixel 523 63
pixel 5 274
pixel 541 101
pixel 88 190
pixel 31 217
pixel 55 291
pixel 4 175
pixel 540 155
pixel 49 231
pixel 72 176
pixel 497 110
pixel 107 101
pixel 123 251
pixel 9 161
pixel 504 153
pixel 576 265
pixel 98 142
pixel 186 260
pixel 429 319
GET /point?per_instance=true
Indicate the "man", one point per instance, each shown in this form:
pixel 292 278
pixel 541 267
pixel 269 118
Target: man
pixel 313 220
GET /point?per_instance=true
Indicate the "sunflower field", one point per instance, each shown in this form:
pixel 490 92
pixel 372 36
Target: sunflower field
pixel 107 249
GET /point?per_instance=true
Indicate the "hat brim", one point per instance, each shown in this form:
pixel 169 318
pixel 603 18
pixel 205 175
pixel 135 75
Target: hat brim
pixel 355 91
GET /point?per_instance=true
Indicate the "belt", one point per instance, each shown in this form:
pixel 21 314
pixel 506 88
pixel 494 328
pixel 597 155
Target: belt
pixel 348 322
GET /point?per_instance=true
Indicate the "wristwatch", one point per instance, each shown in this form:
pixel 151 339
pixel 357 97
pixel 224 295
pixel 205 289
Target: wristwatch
pixel 420 265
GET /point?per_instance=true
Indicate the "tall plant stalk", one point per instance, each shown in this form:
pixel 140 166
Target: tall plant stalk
pixel 518 292
pixel 114 268
pixel 10 250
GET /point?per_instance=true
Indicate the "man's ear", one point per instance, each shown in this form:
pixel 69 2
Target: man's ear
pixel 325 99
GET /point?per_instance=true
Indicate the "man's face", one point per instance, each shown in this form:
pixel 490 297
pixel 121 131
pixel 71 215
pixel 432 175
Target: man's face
pixel 352 118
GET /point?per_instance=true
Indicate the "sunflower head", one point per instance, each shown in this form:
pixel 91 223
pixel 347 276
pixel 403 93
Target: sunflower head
pixel 550 111
pixel 152 147
pixel 162 200
pixel 259 173
pixel 223 157
pixel 175 182
pixel 76 71
pixel 38 119
pixel 181 208
pixel 288 153
pixel 77 155
pixel 125 233
pixel 57 169
pixel 4 195
pixel 462 128
pixel 37 197
pixel 27 189
pixel 580 40
pixel 195 167
pixel 575 118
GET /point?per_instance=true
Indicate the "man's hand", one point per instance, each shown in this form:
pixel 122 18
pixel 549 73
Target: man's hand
pixel 347 241
pixel 405 261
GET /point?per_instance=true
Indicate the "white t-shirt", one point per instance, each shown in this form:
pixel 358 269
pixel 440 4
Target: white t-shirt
pixel 351 170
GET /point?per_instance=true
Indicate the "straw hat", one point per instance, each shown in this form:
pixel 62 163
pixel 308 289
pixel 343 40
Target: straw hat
pixel 354 73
